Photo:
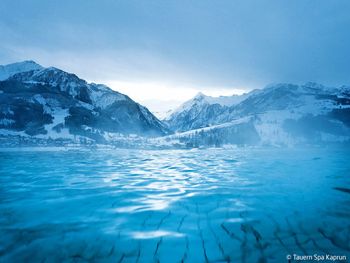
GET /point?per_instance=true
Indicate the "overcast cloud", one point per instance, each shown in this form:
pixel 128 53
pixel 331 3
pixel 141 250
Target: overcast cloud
pixel 201 45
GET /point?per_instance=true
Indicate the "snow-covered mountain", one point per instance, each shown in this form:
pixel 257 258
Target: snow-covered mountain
pixel 277 114
pixel 49 103
pixel 201 111
pixel 9 70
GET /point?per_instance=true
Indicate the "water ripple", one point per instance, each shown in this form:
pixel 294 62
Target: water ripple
pixel 240 205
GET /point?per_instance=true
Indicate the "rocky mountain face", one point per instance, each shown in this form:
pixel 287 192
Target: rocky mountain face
pixel 281 114
pixel 201 111
pixel 50 103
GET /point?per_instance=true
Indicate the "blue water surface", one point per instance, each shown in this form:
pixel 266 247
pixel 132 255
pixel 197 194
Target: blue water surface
pixel 210 205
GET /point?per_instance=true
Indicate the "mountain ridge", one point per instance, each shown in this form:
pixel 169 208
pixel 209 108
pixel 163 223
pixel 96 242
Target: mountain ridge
pixel 38 103
pixel 9 70
pixel 280 114
pixel 43 102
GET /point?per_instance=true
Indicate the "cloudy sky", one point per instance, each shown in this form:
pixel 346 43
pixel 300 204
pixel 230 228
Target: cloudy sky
pixel 163 52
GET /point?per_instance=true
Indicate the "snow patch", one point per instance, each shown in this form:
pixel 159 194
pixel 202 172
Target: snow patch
pixel 9 70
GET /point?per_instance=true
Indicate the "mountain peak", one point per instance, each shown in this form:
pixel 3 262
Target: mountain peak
pixel 24 65
pixel 29 61
pixel 52 100
pixel 9 70
pixel 200 95
pixel 200 101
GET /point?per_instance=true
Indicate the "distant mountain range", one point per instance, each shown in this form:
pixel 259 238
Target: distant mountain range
pixel 51 103
pixel 201 111
pixel 281 114
pixel 50 106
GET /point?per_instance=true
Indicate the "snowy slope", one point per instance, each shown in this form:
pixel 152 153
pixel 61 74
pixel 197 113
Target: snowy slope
pixel 9 70
pixel 38 103
pixel 281 114
pixel 202 111
pixel 201 100
pixel 51 103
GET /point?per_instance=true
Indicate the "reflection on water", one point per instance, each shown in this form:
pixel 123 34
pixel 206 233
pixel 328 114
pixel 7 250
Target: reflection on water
pixel 214 205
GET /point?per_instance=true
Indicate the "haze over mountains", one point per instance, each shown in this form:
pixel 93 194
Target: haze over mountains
pixel 40 104
pixel 281 114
